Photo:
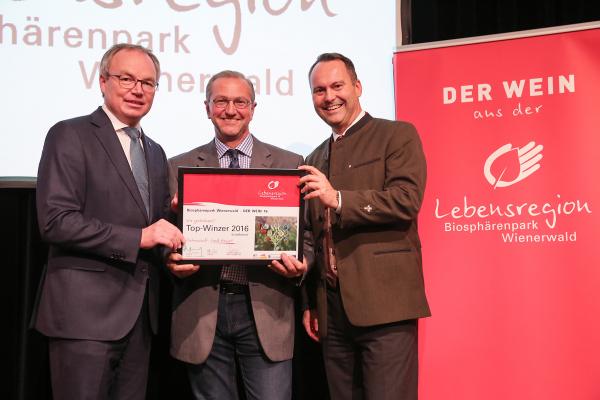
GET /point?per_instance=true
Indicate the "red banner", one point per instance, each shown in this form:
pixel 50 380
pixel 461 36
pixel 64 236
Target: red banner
pixel 510 220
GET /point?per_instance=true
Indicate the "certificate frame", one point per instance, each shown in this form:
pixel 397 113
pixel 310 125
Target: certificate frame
pixel 270 218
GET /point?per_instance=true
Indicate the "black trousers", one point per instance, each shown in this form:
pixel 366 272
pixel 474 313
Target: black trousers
pixel 102 370
pixel 371 363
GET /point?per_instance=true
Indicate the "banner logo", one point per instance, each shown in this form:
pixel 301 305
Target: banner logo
pixel 273 185
pixel 509 165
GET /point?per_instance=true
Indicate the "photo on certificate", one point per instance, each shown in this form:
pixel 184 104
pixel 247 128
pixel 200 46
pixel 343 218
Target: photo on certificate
pixel 240 216
pixel 276 233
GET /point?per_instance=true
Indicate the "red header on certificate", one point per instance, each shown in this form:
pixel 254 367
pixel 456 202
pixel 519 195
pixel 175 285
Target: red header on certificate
pixel 259 190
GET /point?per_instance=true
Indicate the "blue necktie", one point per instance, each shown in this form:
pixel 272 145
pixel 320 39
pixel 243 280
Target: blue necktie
pixel 138 165
pixel 233 156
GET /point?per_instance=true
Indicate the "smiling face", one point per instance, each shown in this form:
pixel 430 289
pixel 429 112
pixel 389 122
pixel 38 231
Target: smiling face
pixel 128 105
pixel 335 95
pixel 232 124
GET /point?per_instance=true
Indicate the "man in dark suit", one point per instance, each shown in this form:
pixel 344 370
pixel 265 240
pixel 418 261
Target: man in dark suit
pixel 101 197
pixel 364 191
pixel 229 312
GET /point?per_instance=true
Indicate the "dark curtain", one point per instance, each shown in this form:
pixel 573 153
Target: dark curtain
pixel 433 20
pixel 24 357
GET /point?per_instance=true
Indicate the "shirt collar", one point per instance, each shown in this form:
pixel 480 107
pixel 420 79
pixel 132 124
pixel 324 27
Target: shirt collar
pixel 116 123
pixel 335 135
pixel 244 147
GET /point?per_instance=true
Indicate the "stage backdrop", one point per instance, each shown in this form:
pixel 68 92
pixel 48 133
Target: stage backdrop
pixel 510 221
pixel 49 53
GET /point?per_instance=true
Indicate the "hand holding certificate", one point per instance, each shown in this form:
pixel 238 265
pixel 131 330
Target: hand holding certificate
pixel 240 216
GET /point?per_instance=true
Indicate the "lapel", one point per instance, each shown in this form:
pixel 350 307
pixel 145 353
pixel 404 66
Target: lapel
pixel 321 156
pixel 359 124
pixel 261 156
pixel 105 133
pixel 319 159
pixel 206 156
pixel 152 165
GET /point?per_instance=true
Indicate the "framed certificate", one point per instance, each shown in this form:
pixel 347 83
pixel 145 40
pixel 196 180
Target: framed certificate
pixel 240 216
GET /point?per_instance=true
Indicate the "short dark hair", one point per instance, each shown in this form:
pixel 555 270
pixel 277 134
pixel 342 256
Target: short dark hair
pixel 333 57
pixel 110 53
pixel 229 74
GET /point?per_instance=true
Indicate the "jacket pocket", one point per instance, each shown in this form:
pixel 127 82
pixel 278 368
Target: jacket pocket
pixel 390 251
pixel 90 267
pixel 363 163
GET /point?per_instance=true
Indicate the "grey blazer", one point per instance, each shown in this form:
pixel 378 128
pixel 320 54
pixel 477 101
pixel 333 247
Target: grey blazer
pixel 195 299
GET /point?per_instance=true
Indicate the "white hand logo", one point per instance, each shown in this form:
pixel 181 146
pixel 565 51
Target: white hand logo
pixel 524 161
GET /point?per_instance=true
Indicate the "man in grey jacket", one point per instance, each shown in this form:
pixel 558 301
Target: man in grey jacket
pixel 229 312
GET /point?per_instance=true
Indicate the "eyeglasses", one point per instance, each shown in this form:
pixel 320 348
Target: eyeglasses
pixel 129 82
pixel 238 103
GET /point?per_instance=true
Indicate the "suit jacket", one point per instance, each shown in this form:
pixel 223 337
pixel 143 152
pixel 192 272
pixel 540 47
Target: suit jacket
pixel 196 298
pixel 380 170
pixel 91 213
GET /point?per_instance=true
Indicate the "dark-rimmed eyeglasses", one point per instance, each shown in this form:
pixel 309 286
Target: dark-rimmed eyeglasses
pixel 129 82
pixel 239 103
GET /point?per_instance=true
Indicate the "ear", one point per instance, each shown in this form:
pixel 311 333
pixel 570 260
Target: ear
pixel 207 105
pixel 358 88
pixel 102 81
pixel 253 106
